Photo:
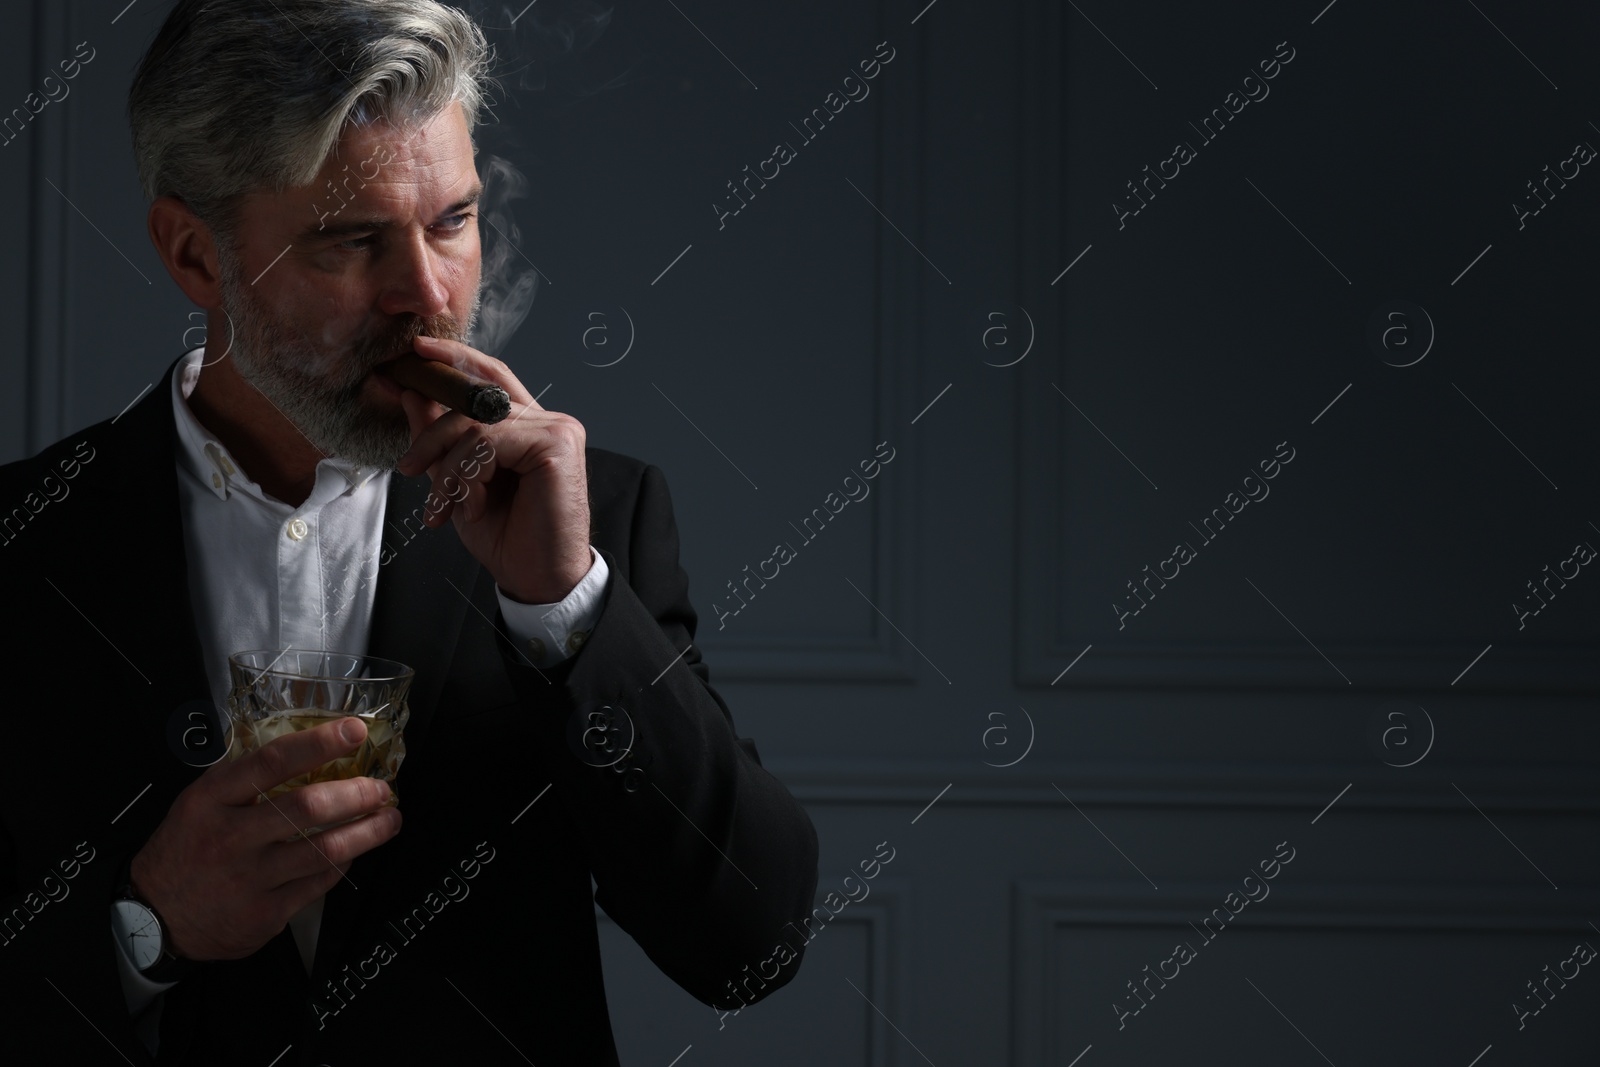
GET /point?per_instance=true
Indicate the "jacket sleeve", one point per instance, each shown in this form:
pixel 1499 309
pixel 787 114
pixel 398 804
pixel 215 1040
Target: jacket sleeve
pixel 59 852
pixel 697 851
pixel 58 957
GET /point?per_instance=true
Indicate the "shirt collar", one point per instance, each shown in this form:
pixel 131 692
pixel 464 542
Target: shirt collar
pixel 205 457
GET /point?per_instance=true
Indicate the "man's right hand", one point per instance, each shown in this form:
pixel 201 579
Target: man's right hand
pixel 220 870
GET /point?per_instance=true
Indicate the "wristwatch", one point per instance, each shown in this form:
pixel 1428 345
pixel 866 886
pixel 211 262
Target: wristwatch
pixel 140 934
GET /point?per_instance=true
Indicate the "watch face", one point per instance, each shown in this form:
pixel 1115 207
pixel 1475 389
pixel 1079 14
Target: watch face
pixel 137 932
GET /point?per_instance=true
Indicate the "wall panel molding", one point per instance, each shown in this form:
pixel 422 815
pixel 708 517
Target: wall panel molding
pixel 1042 908
pixel 895 185
pixel 1278 786
pixel 1047 518
pixel 49 160
pixel 884 914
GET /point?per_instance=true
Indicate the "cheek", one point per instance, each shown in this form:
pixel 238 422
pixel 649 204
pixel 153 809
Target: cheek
pixel 332 325
pixel 466 293
pixel 470 266
pixel 469 272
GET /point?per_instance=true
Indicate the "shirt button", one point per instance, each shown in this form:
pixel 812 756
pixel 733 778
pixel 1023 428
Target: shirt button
pixel 298 529
pixel 576 639
pixel 536 646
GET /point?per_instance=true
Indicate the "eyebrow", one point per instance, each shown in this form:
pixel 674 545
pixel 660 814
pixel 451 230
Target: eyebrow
pixel 338 228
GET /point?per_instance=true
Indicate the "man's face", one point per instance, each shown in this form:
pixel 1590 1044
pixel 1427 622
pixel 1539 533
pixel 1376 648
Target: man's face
pixel 383 246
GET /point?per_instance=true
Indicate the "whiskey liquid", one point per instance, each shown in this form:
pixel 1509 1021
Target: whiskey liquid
pixel 378 756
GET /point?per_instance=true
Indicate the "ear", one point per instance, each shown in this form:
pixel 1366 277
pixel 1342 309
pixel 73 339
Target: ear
pixel 188 249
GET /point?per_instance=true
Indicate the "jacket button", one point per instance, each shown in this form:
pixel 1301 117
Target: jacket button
pixel 600 735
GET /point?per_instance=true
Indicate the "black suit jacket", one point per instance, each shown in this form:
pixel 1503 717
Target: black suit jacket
pixel 694 849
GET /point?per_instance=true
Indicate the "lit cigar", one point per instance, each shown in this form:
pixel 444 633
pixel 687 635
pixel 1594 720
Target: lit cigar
pixel 456 390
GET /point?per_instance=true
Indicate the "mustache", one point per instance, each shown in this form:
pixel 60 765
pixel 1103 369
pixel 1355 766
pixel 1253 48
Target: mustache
pixel 397 340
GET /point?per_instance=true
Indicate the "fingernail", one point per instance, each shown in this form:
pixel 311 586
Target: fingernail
pixel 351 730
pixel 384 792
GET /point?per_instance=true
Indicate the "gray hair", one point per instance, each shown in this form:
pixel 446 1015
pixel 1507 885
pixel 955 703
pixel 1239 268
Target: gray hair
pixel 241 95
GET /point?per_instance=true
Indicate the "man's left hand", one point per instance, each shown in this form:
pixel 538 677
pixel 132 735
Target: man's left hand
pixel 517 491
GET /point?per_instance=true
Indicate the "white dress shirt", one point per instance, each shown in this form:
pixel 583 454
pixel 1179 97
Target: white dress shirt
pixel 265 575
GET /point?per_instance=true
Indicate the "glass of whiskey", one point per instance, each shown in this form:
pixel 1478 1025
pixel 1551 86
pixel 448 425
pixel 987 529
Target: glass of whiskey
pixel 276 691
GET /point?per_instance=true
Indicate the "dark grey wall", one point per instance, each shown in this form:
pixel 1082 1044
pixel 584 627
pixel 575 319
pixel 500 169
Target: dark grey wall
pixel 1067 388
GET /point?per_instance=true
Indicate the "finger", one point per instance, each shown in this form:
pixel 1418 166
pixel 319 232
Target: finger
pixel 469 468
pixel 433 431
pixel 319 804
pixel 463 468
pixel 464 357
pixel 511 445
pixel 283 758
pixel 287 862
pixel 421 411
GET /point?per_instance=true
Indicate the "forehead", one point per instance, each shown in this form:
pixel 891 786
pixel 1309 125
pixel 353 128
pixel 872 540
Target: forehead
pixel 419 165
pixel 432 149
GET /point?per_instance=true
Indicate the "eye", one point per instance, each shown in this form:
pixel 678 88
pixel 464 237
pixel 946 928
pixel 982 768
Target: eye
pixel 452 224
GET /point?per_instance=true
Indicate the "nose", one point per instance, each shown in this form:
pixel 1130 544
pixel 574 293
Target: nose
pixel 416 280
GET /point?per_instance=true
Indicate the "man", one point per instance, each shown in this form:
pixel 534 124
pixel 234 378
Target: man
pixel 277 491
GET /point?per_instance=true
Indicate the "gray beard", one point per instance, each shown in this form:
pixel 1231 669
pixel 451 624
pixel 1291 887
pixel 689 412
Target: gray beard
pixel 317 391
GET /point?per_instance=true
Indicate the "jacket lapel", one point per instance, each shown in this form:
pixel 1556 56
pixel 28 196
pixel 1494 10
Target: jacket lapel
pixel 422 598
pixel 139 481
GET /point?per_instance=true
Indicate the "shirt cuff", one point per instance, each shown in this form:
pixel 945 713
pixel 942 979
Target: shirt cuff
pixel 143 998
pixel 550 633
